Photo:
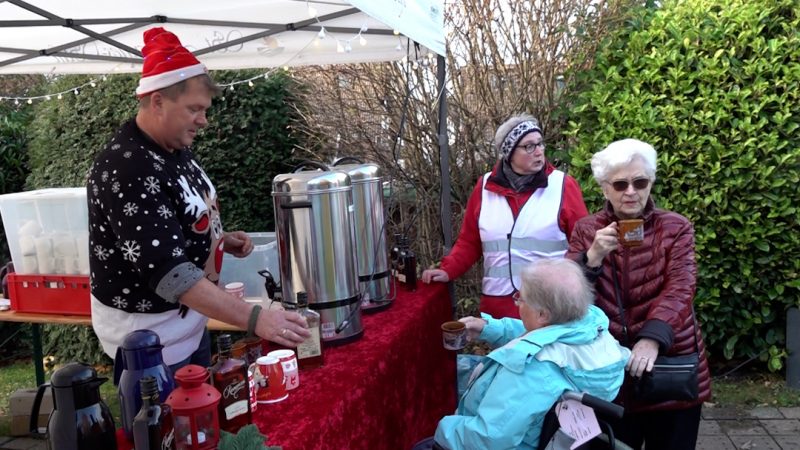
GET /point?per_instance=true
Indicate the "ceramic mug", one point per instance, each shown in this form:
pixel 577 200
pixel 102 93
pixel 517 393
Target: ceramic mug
pixel 251 384
pixel 289 363
pixel 631 232
pixel 236 289
pixel 454 335
pixel 271 381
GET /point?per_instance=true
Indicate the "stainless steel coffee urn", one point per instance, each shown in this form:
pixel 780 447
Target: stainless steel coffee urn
pixel 316 248
pixel 370 234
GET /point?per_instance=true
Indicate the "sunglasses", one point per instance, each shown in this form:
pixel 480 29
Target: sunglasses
pixel 638 184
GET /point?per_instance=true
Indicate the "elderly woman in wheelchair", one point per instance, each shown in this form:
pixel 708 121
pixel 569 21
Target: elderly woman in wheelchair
pixel 560 344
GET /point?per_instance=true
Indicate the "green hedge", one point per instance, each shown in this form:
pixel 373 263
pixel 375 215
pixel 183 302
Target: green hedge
pixel 714 85
pixel 249 140
pixel 13 161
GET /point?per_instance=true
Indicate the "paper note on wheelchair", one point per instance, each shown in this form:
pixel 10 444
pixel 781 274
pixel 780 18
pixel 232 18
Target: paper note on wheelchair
pixel 578 421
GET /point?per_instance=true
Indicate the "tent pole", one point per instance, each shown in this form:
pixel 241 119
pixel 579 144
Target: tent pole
pixel 444 165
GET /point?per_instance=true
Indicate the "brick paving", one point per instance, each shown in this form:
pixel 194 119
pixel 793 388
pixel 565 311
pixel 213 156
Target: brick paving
pixel 762 428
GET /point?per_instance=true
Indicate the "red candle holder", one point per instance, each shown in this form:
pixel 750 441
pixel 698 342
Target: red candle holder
pixel 194 409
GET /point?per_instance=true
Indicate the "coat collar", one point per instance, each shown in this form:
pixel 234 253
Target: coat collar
pixel 498 183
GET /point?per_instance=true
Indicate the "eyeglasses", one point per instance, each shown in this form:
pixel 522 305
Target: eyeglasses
pixel 530 148
pixel 638 184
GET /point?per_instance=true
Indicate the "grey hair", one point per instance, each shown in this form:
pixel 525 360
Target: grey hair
pixel 507 126
pixel 621 153
pixel 557 286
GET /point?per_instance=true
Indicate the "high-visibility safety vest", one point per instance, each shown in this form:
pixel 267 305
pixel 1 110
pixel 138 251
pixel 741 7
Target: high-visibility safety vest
pixel 508 244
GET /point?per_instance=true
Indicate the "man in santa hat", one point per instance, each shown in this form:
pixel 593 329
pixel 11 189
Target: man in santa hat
pixel 156 238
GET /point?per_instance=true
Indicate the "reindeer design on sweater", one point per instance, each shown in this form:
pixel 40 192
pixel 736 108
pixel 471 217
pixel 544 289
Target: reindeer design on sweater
pixel 204 207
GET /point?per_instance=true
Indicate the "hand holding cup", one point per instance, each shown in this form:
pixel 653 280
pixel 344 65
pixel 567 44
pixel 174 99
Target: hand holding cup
pixel 474 326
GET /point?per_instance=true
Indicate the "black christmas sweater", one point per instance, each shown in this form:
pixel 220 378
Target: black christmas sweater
pixel 154 224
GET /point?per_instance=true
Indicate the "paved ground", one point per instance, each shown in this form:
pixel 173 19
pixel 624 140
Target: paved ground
pixel 766 428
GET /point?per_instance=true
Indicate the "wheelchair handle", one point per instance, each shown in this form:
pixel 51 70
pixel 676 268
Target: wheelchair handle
pixel 602 407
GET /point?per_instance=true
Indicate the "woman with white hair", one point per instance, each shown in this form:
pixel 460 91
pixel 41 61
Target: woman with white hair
pixel 522 211
pixel 647 291
pixel 561 343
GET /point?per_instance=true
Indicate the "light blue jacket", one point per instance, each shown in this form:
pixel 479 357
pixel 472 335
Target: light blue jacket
pixel 515 386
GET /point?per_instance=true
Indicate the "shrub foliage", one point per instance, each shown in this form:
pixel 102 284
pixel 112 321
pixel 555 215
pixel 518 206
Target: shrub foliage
pixel 714 86
pixel 249 140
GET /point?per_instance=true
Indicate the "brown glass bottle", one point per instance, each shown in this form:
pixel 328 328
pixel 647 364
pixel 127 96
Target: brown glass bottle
pixel 229 376
pixel 152 426
pixel 309 352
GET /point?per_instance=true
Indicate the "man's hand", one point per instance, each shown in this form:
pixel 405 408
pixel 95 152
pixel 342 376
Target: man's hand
pixel 283 327
pixel 237 243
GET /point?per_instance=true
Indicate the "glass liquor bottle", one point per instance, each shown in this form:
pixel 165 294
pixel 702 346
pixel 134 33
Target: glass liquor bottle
pixel 309 352
pixel 152 426
pixel 408 266
pixel 229 376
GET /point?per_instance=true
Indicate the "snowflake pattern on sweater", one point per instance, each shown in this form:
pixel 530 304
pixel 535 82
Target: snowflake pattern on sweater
pixel 149 211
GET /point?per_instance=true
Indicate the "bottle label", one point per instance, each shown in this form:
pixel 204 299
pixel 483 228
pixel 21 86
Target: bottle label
pixel 311 346
pixel 236 409
pixel 234 390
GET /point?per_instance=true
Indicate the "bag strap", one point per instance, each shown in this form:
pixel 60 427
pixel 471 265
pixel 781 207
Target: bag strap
pixel 618 297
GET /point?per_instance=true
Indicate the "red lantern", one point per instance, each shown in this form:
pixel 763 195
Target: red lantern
pixel 194 409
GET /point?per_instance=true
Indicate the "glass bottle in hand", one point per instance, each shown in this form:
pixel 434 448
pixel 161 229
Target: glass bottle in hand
pixel 309 352
pixel 229 376
pixel 152 426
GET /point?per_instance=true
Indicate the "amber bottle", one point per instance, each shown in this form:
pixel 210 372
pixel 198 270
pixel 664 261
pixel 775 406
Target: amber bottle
pixel 309 352
pixel 229 376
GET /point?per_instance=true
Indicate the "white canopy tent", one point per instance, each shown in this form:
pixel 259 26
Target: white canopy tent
pixel 99 36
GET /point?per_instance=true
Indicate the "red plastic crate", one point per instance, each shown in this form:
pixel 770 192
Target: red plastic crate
pixel 50 294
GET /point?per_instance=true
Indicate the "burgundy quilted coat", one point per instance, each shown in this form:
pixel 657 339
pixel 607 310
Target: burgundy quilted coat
pixel 657 283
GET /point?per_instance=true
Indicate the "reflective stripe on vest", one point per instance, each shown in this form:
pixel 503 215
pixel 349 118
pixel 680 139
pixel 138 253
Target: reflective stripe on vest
pixel 534 235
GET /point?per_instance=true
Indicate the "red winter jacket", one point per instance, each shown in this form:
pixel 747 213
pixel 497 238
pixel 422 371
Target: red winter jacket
pixel 468 248
pixel 657 286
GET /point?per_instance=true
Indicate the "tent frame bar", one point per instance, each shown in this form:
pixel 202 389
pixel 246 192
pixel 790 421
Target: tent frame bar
pixel 137 22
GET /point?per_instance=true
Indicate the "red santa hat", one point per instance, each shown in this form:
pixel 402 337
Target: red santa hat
pixel 166 62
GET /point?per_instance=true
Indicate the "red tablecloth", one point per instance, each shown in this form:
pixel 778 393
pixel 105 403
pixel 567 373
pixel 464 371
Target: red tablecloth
pixel 385 391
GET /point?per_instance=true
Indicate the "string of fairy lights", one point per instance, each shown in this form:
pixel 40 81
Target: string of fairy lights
pixel 343 45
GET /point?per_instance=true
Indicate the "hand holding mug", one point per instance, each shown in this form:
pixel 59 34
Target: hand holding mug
pixel 474 326
pixel 605 241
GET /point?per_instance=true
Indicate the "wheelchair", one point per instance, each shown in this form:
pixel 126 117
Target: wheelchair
pixel 553 438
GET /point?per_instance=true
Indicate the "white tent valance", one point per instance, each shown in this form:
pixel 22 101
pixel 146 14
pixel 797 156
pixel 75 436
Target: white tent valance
pixel 98 36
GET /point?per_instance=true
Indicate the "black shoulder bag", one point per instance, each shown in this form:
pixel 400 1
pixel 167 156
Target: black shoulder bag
pixel 672 377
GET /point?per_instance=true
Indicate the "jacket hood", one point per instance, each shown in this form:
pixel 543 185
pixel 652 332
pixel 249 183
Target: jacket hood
pixel 588 356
